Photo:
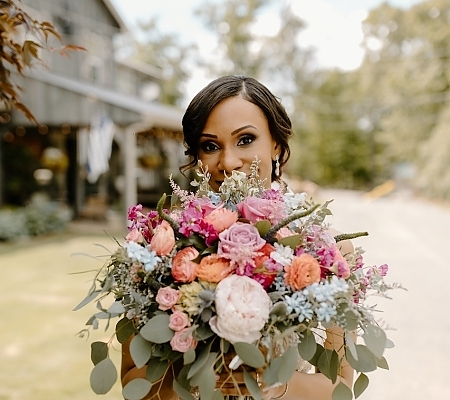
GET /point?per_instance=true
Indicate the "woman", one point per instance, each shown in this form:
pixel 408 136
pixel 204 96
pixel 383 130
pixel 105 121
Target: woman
pixel 230 122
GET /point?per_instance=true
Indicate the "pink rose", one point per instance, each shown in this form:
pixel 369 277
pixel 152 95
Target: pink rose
pixel 254 208
pixel 222 219
pixel 183 268
pixel 204 203
pixel 239 235
pixel 182 341
pixel 163 240
pixel 178 320
pixel 134 236
pixel 167 298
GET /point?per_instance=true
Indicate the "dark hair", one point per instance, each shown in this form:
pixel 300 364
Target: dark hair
pixel 250 89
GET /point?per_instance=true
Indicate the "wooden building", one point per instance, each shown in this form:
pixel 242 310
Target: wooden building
pixel 68 96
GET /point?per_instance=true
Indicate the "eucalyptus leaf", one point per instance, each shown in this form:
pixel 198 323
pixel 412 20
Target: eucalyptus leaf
pixel 389 344
pixel 319 350
pixel 342 392
pixel 217 395
pixel 252 386
pixel 203 332
pixel 224 345
pixel 382 363
pixel 291 241
pixel 87 299
pixel 263 227
pixel 307 346
pixel 204 373
pixel 250 354
pixel 270 375
pixel 328 364
pixel 351 345
pixel 103 376
pixel 366 361
pixel 182 377
pixel 124 329
pixel 200 361
pixel 116 308
pixel 375 340
pixel 181 391
pixel 136 389
pixel 140 350
pixel 99 351
pixel 360 385
pixel 288 365
pixel 157 330
pixel 189 357
pixel 156 369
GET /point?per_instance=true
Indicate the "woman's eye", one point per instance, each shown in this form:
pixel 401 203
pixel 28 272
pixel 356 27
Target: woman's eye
pixel 244 140
pixel 208 146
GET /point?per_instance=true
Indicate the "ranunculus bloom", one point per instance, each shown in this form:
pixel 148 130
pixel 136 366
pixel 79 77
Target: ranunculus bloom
pixel 242 308
pixel 213 268
pixel 178 320
pixel 183 268
pixel 183 341
pixel 163 240
pixel 303 271
pixel 262 258
pixel 252 208
pixel 167 297
pixel 239 235
pixel 222 219
pixel 134 236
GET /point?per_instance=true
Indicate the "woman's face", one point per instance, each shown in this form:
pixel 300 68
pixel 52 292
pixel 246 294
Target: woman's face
pixel 235 132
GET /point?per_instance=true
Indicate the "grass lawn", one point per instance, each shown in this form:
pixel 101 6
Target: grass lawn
pixel 42 358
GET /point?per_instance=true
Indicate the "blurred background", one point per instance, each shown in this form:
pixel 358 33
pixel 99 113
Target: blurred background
pixel 86 132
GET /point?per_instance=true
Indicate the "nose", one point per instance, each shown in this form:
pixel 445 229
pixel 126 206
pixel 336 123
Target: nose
pixel 229 160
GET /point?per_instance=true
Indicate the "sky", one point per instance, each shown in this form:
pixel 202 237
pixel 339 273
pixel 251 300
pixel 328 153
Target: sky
pixel 333 27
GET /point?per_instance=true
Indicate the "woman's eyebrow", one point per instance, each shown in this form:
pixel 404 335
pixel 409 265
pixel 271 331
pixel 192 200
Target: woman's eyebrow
pixel 236 131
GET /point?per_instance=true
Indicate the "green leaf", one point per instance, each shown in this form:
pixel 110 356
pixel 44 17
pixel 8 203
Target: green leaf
pixel 182 377
pixel 252 386
pixel 342 392
pixel 328 364
pixel 251 355
pixel 203 332
pixel 389 344
pixel 87 299
pixel 204 373
pixel 270 375
pixel 288 365
pixel 140 351
pixel 157 330
pixel 124 329
pixel 99 351
pixel 375 340
pixel 263 227
pixel 360 385
pixel 291 241
pixel 319 350
pixel 189 357
pixel 200 361
pixel 382 363
pixel 351 345
pixel 366 361
pixel 217 395
pixel 307 346
pixel 181 391
pixel 156 369
pixel 136 389
pixel 103 376
pixel 224 345
pixel 116 308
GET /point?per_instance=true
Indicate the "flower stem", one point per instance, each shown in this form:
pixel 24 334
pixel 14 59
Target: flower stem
pixel 164 216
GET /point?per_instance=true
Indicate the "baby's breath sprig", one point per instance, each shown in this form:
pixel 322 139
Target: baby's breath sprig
pixel 205 176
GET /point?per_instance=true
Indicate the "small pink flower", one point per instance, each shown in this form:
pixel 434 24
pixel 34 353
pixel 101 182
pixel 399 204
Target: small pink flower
pixel 163 240
pixel 240 235
pixel 167 298
pixel 383 269
pixel 183 268
pixel 222 219
pixel 284 232
pixel 178 320
pixel 134 236
pixel 252 208
pixel 182 341
pixel 340 263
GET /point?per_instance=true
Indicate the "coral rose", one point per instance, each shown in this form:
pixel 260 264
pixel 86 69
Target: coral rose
pixel 213 268
pixel 242 308
pixel 178 321
pixel 222 219
pixel 183 268
pixel 163 240
pixel 167 297
pixel 303 271
pixel 182 341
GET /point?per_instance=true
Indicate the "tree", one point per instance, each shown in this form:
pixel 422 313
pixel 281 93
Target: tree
pixel 21 38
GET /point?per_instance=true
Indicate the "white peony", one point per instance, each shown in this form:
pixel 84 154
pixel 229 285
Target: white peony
pixel 242 308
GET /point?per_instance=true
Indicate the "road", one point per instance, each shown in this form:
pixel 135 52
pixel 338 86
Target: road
pixel 43 359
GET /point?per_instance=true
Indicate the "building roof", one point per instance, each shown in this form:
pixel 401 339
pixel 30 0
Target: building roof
pixel 113 10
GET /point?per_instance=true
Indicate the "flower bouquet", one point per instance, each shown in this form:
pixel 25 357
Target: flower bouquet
pixel 247 279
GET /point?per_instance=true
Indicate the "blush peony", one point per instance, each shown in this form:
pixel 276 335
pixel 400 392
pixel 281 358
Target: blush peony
pixel 239 235
pixel 303 271
pixel 183 268
pixel 163 240
pixel 242 308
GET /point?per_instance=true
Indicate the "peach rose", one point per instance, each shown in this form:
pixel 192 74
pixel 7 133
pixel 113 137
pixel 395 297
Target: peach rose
pixel 303 271
pixel 167 298
pixel 182 341
pixel 213 268
pixel 163 240
pixel 183 268
pixel 178 321
pixel 221 219
pixel 134 236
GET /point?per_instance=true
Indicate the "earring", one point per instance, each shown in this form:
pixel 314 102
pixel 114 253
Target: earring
pixel 277 165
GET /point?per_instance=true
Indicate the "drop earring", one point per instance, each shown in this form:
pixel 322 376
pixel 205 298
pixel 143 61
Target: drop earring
pixel 277 166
